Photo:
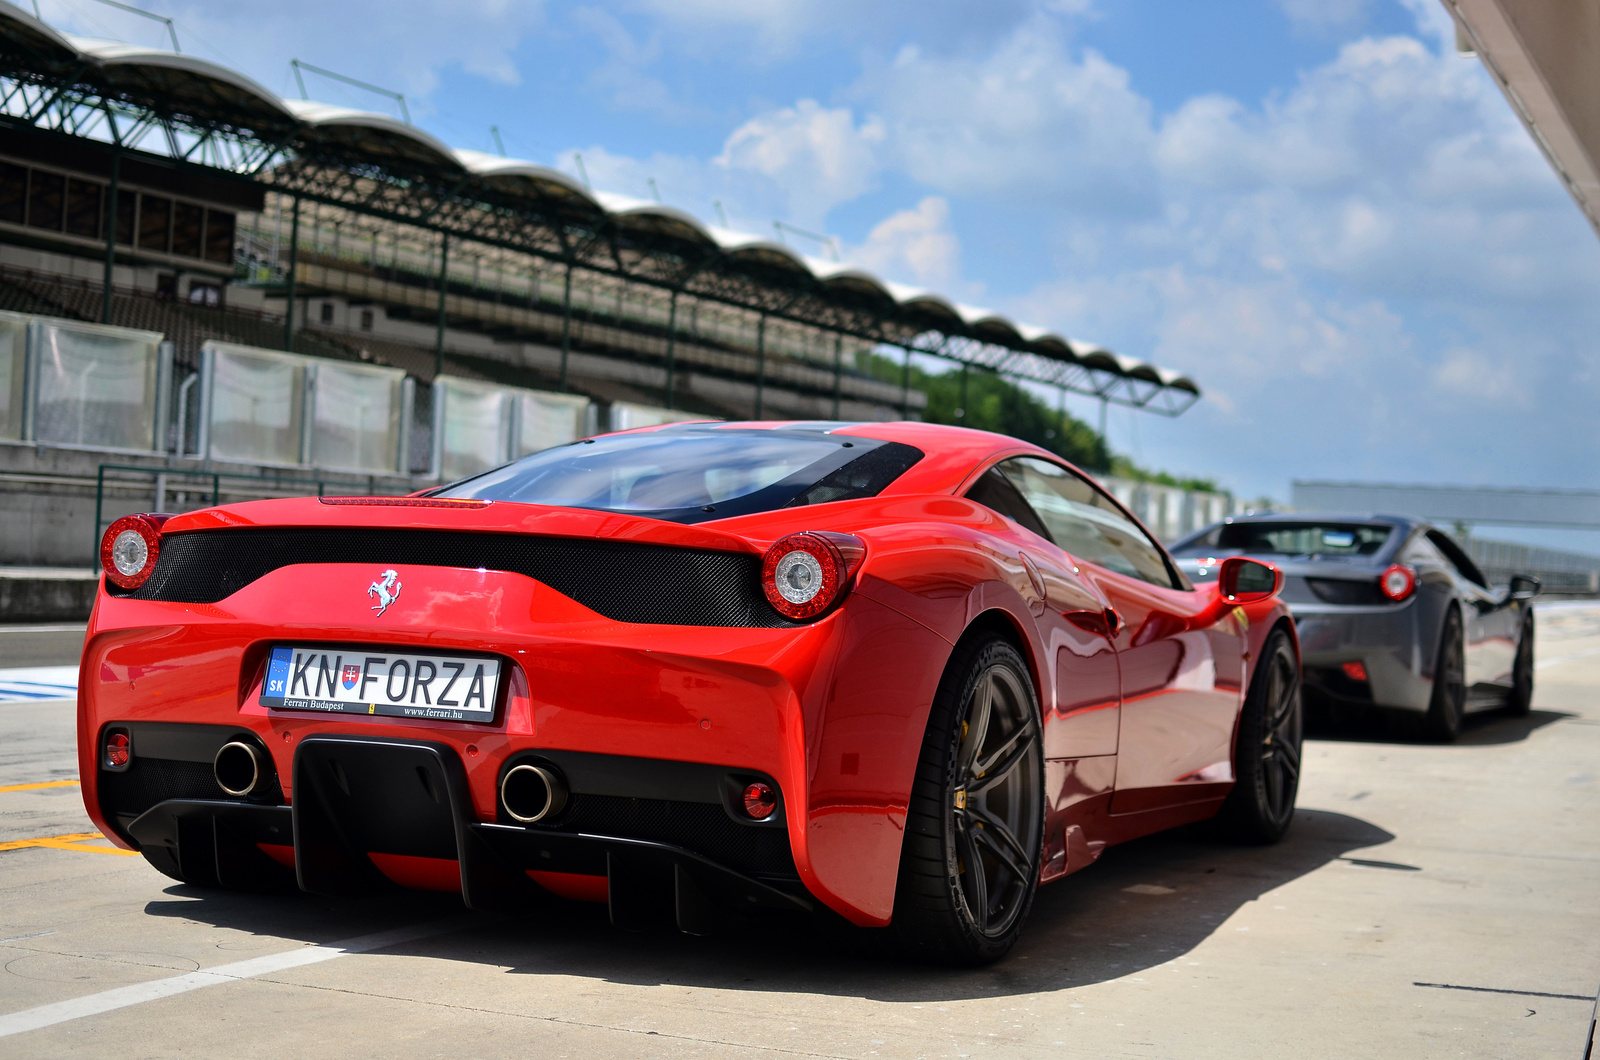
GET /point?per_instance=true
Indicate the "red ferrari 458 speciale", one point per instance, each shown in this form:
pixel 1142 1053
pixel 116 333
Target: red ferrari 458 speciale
pixel 905 672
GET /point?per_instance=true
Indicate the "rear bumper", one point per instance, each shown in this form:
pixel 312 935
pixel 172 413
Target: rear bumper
pixel 367 806
pixel 1384 640
pixel 824 710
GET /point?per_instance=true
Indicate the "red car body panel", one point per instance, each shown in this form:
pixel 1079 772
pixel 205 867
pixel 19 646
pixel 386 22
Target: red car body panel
pixel 1139 736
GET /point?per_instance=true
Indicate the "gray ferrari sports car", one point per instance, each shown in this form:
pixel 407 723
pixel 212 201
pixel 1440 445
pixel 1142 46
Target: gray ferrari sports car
pixel 1391 612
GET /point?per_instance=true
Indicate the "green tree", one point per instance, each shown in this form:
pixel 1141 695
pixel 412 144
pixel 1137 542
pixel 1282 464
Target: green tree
pixel 994 403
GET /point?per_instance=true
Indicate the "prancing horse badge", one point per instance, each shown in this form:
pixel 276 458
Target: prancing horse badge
pixel 385 590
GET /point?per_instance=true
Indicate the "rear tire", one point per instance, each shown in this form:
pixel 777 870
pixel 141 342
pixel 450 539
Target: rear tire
pixel 1448 705
pixel 969 865
pixel 1520 701
pixel 1267 758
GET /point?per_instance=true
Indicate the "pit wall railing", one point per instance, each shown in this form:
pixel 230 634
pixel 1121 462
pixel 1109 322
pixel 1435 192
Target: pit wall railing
pixel 176 490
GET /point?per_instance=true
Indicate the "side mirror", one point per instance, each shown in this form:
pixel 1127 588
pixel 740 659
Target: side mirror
pixel 1248 581
pixel 1525 587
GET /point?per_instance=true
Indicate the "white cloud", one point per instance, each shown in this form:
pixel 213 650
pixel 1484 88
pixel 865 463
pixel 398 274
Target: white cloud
pixel 915 246
pixel 622 76
pixel 1469 374
pixel 1027 120
pixel 820 156
pixel 760 31
pixel 399 44
pixel 1320 16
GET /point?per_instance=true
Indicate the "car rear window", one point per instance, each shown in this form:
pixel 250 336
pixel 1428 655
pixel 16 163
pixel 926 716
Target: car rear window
pixel 692 474
pixel 1303 539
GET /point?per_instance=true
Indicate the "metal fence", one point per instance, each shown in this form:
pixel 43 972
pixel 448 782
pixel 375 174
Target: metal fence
pixel 1562 573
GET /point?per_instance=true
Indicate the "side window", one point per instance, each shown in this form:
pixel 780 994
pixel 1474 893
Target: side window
pixel 1085 522
pixel 995 492
pixel 1420 550
pixel 1456 558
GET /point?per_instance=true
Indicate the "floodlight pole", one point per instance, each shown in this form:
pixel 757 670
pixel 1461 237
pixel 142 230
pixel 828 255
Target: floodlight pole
pixel 905 385
pixel 1104 401
pixel 444 276
pixel 1061 421
pixel 294 254
pixel 961 413
pixel 761 361
pixel 111 232
pixel 838 370
pixel 566 324
pixel 672 336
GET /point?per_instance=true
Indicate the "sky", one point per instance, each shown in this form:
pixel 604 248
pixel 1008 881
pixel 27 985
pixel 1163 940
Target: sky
pixel 1314 208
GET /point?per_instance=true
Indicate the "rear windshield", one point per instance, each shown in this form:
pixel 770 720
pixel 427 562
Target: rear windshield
pixel 692 474
pixel 1303 539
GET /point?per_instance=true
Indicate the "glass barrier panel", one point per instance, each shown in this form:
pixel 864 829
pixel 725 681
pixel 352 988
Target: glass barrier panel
pixel 13 348
pixel 97 385
pixel 356 422
pixel 257 401
pixel 625 415
pixel 545 420
pixel 476 426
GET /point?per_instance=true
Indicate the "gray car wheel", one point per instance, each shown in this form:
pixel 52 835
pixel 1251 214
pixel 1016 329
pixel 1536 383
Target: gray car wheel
pixel 1448 705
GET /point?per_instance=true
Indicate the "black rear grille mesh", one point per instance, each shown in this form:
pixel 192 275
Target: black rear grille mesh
pixel 701 827
pixel 148 781
pixel 625 581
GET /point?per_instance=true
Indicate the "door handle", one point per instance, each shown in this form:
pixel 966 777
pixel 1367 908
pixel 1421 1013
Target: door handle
pixel 1105 622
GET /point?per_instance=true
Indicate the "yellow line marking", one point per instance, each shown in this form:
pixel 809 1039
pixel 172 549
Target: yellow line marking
pixel 70 841
pixel 43 784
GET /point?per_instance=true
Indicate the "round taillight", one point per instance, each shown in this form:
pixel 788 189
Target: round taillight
pixel 759 800
pixel 805 574
pixel 118 750
pixel 1397 582
pixel 129 549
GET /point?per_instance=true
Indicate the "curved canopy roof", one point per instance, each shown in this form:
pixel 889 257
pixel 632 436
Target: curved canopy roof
pixel 209 95
pixel 27 36
pixel 372 138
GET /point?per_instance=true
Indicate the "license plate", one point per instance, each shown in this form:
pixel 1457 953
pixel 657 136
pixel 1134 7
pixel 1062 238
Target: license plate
pixel 379 681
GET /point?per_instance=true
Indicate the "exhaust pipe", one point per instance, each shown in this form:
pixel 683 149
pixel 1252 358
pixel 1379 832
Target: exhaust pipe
pixel 532 793
pixel 241 768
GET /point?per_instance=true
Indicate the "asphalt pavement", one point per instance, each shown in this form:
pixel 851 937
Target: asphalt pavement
pixel 1428 902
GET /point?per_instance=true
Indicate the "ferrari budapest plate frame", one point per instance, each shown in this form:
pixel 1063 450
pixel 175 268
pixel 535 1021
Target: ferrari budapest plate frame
pixel 342 679
pixel 902 672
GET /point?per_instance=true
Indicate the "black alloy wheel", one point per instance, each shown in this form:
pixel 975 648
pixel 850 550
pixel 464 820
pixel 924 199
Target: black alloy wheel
pixel 969 866
pixel 1448 706
pixel 1520 701
pixel 1267 757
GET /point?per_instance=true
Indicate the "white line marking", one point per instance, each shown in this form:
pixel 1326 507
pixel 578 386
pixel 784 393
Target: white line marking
pixel 32 1019
pixel 38 682
pixel 35 935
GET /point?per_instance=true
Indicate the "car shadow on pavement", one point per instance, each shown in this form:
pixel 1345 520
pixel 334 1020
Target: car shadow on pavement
pixel 1484 729
pixel 1143 904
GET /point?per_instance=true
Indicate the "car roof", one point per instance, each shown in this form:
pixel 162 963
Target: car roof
pixel 1401 522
